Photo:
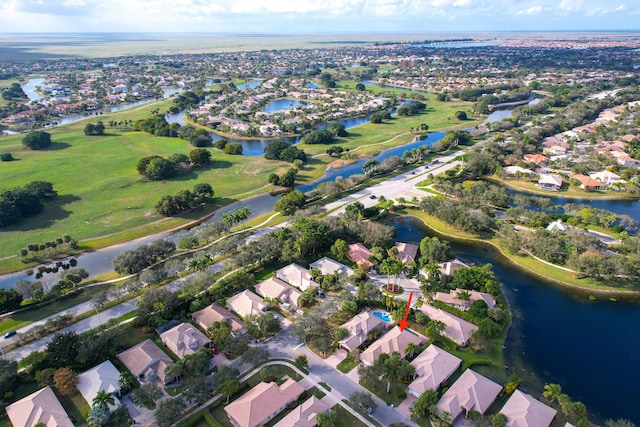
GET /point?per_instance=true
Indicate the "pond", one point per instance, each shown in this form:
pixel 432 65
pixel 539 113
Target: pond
pixel 283 105
pixel 559 336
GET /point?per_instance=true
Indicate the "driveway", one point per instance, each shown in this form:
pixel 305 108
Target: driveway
pixel 141 415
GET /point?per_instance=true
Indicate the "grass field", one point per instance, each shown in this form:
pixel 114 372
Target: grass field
pixel 103 200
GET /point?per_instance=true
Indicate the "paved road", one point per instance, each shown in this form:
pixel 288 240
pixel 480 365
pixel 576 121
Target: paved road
pixel 285 346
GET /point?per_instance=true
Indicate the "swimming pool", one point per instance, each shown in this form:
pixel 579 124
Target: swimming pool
pixel 382 315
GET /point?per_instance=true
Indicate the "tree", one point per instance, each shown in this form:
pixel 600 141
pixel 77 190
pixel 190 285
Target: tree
pixel 552 392
pixel 434 329
pixel 159 169
pixel 360 87
pixel 461 115
pixel 9 299
pixel 499 420
pixel 426 402
pixel 326 419
pixel 8 376
pixel 308 297
pixel 229 388
pixel 98 416
pixel 169 410
pixel 255 356
pixel 156 307
pixel 62 350
pixel 301 361
pixel 224 373
pixel 434 251
pixel 290 202
pixel 147 395
pixel 90 129
pixel 37 140
pixel 233 148
pixel 340 250
pixel 64 380
pixel 200 156
pixel 103 399
pixel 363 402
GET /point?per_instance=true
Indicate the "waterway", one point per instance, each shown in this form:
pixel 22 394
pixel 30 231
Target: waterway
pixel 559 336
pixel 283 105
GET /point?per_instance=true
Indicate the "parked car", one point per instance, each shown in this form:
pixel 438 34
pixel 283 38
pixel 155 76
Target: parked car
pixel 373 196
pixel 214 350
pixel 10 334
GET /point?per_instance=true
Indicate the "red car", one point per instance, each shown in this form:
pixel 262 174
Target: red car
pixel 214 350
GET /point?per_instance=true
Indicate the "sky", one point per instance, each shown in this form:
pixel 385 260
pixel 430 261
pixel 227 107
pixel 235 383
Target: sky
pixel 316 16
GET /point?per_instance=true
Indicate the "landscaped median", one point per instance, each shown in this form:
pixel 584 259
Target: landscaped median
pixel 546 271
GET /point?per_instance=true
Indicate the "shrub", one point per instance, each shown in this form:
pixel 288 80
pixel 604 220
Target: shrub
pixel 37 140
pixel 6 157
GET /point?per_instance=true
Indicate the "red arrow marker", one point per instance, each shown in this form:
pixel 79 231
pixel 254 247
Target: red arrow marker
pixel 403 322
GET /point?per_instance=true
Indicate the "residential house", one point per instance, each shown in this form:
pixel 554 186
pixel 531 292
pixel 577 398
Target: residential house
pixel 558 225
pixel 304 415
pixel 359 254
pixel 538 159
pixel 453 299
pixel 512 171
pixel 607 177
pixel 557 140
pixel 216 313
pixel 456 329
pixel 433 367
pixel 330 266
pixel 104 377
pixel 147 362
pixel 262 403
pixel 450 267
pixel 297 276
pixel 470 392
pixel 275 288
pixel 394 340
pixel 523 410
pixel 359 328
pixel 407 252
pixel 40 407
pixel 246 303
pixel 555 150
pixel 589 184
pixel 550 182
pixel 184 339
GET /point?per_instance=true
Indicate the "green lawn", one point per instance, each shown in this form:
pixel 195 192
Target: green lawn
pixel 347 365
pixel 345 419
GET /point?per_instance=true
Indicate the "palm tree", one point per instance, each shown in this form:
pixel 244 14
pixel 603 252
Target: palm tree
pixel 464 296
pixel 391 370
pixel 103 399
pixel 174 370
pixel 433 272
pixel 552 392
pixel 412 349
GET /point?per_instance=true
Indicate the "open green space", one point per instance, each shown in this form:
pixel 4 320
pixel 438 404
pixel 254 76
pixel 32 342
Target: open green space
pixel 345 419
pixel 347 365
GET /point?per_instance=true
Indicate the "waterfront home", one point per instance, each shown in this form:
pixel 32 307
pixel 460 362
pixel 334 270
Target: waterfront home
pixel 304 415
pixel 558 225
pixel 512 171
pixel 523 410
pixel 392 341
pixel 359 327
pixel 407 252
pixel 329 266
pixel 589 184
pixel 470 392
pixel 433 367
pixel 262 403
pixel 246 303
pixel 184 339
pixel 607 177
pixel 456 329
pixel 104 377
pixel 449 267
pixel 453 299
pixel 147 362
pixel 275 288
pixel 550 182
pixel 216 313
pixel 297 276
pixel 359 254
pixel 40 407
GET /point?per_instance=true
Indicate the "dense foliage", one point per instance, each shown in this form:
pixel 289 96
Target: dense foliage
pixel 22 202
pixel 36 140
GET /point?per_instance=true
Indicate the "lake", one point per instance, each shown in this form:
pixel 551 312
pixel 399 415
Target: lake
pixel 559 336
pixel 284 105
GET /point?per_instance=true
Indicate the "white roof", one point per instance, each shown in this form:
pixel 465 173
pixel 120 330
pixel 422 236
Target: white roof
pixel 523 410
pixel 104 377
pixel 329 266
pixel 512 170
pixel 550 179
pixel 558 226
pixel 433 367
pixel 606 177
pixel 296 275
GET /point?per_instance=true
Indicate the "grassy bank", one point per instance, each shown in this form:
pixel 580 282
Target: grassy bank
pixel 546 272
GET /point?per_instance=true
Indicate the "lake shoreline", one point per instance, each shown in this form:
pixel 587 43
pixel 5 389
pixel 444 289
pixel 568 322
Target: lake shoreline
pixel 514 262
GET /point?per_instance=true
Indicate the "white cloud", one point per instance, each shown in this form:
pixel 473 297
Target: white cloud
pixel 570 5
pixel 530 11
pixel 621 8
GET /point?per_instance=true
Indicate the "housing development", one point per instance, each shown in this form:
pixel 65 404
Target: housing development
pixel 412 231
